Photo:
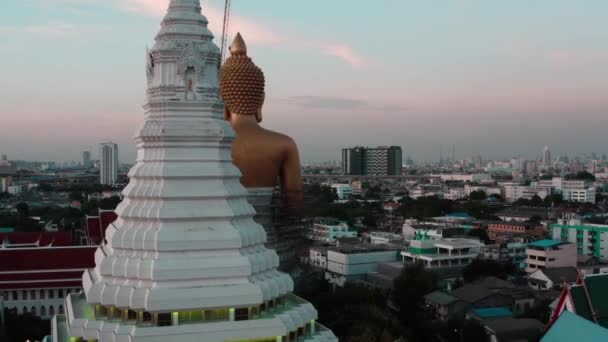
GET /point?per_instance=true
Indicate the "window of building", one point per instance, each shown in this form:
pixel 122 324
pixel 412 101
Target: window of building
pixel 5 295
pixel 217 315
pixel 33 294
pixel 42 294
pixel 24 295
pixel 51 294
pixel 15 295
pixel 163 319
pixel 51 310
pixel 114 313
pixel 24 310
pixel 33 310
pixel 42 311
pixel 145 317
pixel 241 314
pixel 130 315
pixel 61 309
pixel 60 293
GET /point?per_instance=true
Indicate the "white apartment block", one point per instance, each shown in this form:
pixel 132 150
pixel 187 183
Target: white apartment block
pixel 514 192
pixel 442 253
pixel 108 160
pixel 330 231
pixel 454 194
pixel 354 262
pixel 344 191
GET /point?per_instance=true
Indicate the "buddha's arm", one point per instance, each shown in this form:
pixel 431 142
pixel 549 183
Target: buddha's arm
pixel 291 179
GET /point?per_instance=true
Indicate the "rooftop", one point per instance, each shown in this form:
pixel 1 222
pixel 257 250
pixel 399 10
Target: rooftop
pixel 571 327
pixel 485 313
pixel 545 243
pixel 440 297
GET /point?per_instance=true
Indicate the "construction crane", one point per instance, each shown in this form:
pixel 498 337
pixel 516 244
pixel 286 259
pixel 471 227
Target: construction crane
pixel 225 30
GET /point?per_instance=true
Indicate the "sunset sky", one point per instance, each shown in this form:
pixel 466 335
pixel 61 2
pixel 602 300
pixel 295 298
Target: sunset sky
pixel 499 78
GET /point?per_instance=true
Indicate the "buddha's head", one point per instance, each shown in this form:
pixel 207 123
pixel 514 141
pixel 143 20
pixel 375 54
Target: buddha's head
pixel 241 83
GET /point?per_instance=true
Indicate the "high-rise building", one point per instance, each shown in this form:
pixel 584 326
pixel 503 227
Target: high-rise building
pixel 380 161
pixel 353 161
pixel 184 261
pixel 4 157
pixel 546 157
pixel 86 159
pixel 108 163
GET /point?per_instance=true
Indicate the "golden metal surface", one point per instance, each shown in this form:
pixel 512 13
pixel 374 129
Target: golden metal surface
pixel 265 158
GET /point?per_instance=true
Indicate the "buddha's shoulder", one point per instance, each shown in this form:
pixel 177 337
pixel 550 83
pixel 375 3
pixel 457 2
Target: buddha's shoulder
pixel 277 137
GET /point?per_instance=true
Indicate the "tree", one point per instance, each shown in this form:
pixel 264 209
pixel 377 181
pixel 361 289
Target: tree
pixel 497 197
pixel 481 234
pixel 76 196
pixel 582 175
pixel 553 199
pixel 109 203
pixel 478 195
pixel 23 209
pixel 409 290
pixel 535 219
pixel 482 268
pixel 27 327
pixel 536 200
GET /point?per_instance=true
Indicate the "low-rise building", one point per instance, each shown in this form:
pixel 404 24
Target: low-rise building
pixel 471 178
pixel 590 239
pixel 318 257
pixel 328 231
pixel 441 253
pixel 514 192
pixel 383 238
pixel 485 294
pixel 36 280
pixel 454 194
pixel 552 278
pixel 497 228
pixel 513 252
pixel 355 262
pixel 431 229
pixel 550 253
pixel 344 191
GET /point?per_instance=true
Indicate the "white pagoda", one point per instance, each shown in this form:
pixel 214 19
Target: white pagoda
pixel 185 260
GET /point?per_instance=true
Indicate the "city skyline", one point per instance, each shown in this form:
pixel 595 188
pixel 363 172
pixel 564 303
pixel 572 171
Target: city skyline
pixel 426 75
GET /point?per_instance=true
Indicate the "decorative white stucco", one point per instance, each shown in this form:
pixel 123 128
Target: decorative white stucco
pixel 185 238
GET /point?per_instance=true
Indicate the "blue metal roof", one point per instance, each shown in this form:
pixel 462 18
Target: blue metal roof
pixel 493 312
pixel 545 243
pixel 571 327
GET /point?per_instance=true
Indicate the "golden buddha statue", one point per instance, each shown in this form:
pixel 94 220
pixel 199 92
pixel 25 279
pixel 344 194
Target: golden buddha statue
pixel 266 158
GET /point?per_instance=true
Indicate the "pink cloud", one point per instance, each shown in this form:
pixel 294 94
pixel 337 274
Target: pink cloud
pixel 254 32
pixel 54 30
pixel 344 52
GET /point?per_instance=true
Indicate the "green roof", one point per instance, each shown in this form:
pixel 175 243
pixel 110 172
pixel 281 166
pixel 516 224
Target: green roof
pixel 571 327
pixel 493 312
pixel 545 243
pixel 440 297
pixel 596 285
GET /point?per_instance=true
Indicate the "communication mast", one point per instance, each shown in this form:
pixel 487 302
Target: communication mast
pixel 225 29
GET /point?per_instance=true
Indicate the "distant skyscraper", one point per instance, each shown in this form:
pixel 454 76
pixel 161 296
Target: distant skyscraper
pixel 546 157
pixel 108 163
pixel 4 157
pixel 381 161
pixel 86 158
pixel 353 161
pixel 516 164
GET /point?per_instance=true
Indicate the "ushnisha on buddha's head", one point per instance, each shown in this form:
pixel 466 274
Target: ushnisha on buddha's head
pixel 241 83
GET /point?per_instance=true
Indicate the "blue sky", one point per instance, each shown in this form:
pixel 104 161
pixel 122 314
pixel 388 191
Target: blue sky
pixel 500 78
